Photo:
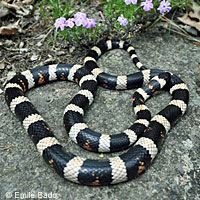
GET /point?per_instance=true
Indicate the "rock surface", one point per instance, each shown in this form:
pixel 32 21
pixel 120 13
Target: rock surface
pixel 174 174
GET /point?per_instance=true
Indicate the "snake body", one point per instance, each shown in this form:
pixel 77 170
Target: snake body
pixel 145 136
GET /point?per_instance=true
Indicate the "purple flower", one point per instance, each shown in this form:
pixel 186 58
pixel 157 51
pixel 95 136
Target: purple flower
pixel 70 23
pixel 164 7
pixel 80 19
pixel 128 2
pixel 91 23
pixel 134 1
pixel 80 14
pixel 147 5
pixel 60 23
pixel 122 20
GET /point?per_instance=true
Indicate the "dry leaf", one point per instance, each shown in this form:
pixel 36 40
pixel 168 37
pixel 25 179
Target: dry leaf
pixel 27 1
pixel 197 44
pixel 195 13
pixel 8 30
pixel 49 60
pixel 11 29
pixel 187 20
pixel 3 11
pixel 193 18
pixel 8 5
pixel 2 66
pixel 19 9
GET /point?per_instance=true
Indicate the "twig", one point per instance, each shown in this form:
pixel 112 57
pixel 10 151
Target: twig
pixel 44 38
pixel 8 5
pixel 183 32
pixel 7 147
pixel 174 24
pixel 185 35
pixel 31 26
pixel 102 16
pixel 4 60
pixel 11 49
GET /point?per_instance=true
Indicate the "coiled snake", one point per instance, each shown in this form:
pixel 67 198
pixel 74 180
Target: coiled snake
pixel 144 136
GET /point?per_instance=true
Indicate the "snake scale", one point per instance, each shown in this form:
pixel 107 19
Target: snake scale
pixel 144 137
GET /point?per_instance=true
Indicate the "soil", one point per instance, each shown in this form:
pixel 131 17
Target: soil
pixel 34 45
pixel 26 50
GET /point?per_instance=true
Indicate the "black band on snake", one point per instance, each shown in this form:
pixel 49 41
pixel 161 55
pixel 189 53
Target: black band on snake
pixel 145 135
